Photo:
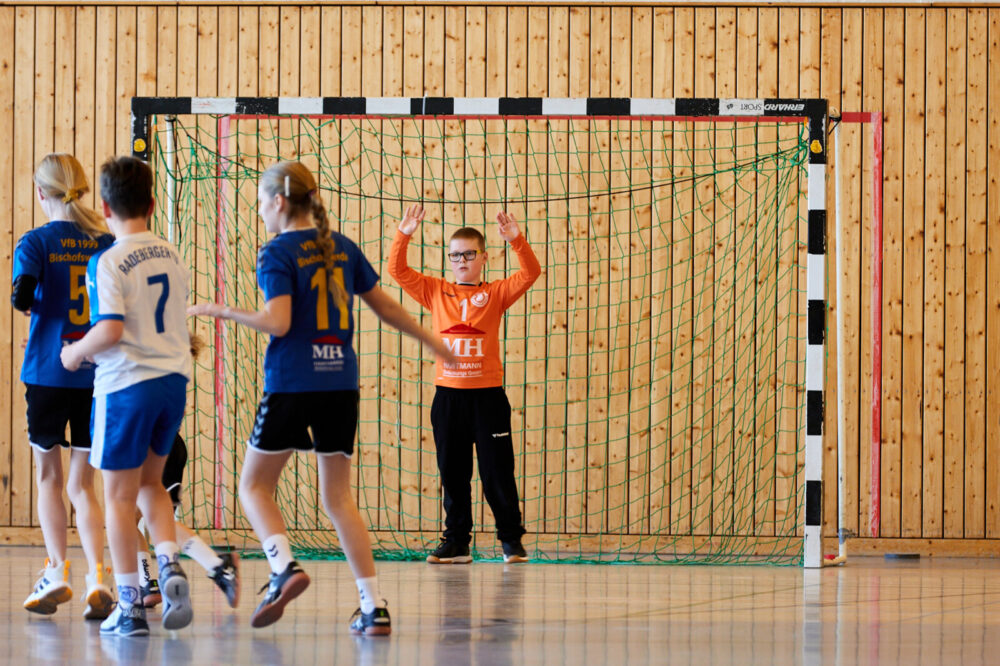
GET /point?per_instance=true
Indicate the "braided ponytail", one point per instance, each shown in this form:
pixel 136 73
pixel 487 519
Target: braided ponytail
pixel 328 247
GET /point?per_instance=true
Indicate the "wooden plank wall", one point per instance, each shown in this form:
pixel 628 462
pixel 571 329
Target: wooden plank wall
pixel 67 74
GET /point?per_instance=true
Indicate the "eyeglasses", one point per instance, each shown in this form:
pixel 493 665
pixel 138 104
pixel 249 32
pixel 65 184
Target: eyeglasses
pixel 468 255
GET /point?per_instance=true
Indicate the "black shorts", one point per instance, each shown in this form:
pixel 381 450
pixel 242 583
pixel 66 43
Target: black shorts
pixel 173 469
pixel 284 422
pixel 50 408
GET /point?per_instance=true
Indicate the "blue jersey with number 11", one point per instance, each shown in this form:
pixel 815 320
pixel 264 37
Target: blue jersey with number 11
pixel 56 255
pixel 317 352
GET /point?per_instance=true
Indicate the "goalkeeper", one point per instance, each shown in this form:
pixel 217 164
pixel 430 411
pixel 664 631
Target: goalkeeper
pixel 470 405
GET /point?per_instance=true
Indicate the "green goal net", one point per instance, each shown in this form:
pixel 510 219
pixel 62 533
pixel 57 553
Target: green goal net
pixel 655 370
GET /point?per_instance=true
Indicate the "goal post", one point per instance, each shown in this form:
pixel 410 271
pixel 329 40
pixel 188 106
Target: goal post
pixel 666 372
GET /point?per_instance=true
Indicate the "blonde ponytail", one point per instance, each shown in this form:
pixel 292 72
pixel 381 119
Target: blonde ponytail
pixel 59 175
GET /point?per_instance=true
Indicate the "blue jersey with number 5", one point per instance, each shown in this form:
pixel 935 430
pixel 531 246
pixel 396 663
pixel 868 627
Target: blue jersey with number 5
pixel 317 352
pixel 141 282
pixel 56 255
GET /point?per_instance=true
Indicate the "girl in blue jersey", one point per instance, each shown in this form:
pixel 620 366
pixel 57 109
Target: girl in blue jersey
pixel 50 265
pixel 309 276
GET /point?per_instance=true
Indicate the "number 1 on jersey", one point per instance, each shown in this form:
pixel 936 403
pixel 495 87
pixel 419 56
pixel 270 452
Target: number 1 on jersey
pixel 319 282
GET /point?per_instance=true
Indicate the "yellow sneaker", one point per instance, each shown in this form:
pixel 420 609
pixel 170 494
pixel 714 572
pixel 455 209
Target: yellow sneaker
pixel 51 589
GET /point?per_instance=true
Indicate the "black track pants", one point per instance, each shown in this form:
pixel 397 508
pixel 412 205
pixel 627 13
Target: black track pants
pixel 461 417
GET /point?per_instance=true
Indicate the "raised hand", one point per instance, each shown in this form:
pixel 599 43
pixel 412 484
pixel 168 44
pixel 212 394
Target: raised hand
pixel 411 219
pixel 507 226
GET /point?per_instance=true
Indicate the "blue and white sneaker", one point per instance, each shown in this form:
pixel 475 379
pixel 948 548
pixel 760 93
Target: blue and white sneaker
pixel 281 588
pixel 177 611
pixel 127 620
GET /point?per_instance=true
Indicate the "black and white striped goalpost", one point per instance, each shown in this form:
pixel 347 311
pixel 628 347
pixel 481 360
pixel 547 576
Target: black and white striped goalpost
pixel 811 111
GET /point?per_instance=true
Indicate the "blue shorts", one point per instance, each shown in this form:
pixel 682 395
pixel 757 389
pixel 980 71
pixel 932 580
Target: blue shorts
pixel 126 424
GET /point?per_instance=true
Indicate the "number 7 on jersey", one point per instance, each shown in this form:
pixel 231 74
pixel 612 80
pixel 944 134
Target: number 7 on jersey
pixel 161 304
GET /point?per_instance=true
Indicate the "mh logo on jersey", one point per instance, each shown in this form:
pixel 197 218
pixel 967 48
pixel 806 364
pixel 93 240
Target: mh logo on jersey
pixel 464 347
pixel 328 348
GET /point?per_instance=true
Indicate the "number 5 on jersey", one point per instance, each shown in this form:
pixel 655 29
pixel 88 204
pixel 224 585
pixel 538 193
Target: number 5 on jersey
pixel 78 290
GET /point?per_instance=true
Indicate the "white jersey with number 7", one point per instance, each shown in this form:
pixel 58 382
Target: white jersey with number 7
pixel 140 281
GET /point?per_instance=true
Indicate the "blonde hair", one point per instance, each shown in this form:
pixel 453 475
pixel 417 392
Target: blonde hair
pixel 295 182
pixel 59 175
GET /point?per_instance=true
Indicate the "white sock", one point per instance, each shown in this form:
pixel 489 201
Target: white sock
pixel 368 590
pixel 278 552
pixel 202 553
pixel 166 552
pixel 128 588
pixel 145 576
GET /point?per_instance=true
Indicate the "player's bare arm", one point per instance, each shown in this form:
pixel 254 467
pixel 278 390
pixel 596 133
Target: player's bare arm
pixel 274 319
pixel 392 313
pixel 102 336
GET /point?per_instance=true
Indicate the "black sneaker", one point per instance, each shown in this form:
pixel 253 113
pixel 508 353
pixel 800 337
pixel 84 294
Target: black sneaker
pixel 177 611
pixel 129 620
pixel 227 577
pixel 150 594
pixel 281 589
pixel 376 623
pixel 450 552
pixel 513 551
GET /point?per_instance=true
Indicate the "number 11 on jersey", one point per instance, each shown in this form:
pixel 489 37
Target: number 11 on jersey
pixel 319 282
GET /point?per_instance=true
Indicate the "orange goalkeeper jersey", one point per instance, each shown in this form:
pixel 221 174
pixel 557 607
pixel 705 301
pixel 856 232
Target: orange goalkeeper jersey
pixel 467 317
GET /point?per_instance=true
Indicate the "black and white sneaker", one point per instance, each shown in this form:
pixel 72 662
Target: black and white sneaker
pixel 177 611
pixel 376 623
pixel 450 552
pixel 150 594
pixel 281 589
pixel 127 620
pixel 513 551
pixel 227 577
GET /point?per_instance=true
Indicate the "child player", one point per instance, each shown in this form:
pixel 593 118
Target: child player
pixel 138 295
pixel 50 265
pixel 470 404
pixel 309 276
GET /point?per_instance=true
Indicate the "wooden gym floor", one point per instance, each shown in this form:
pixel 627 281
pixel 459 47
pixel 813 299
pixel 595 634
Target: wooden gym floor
pixel 929 611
